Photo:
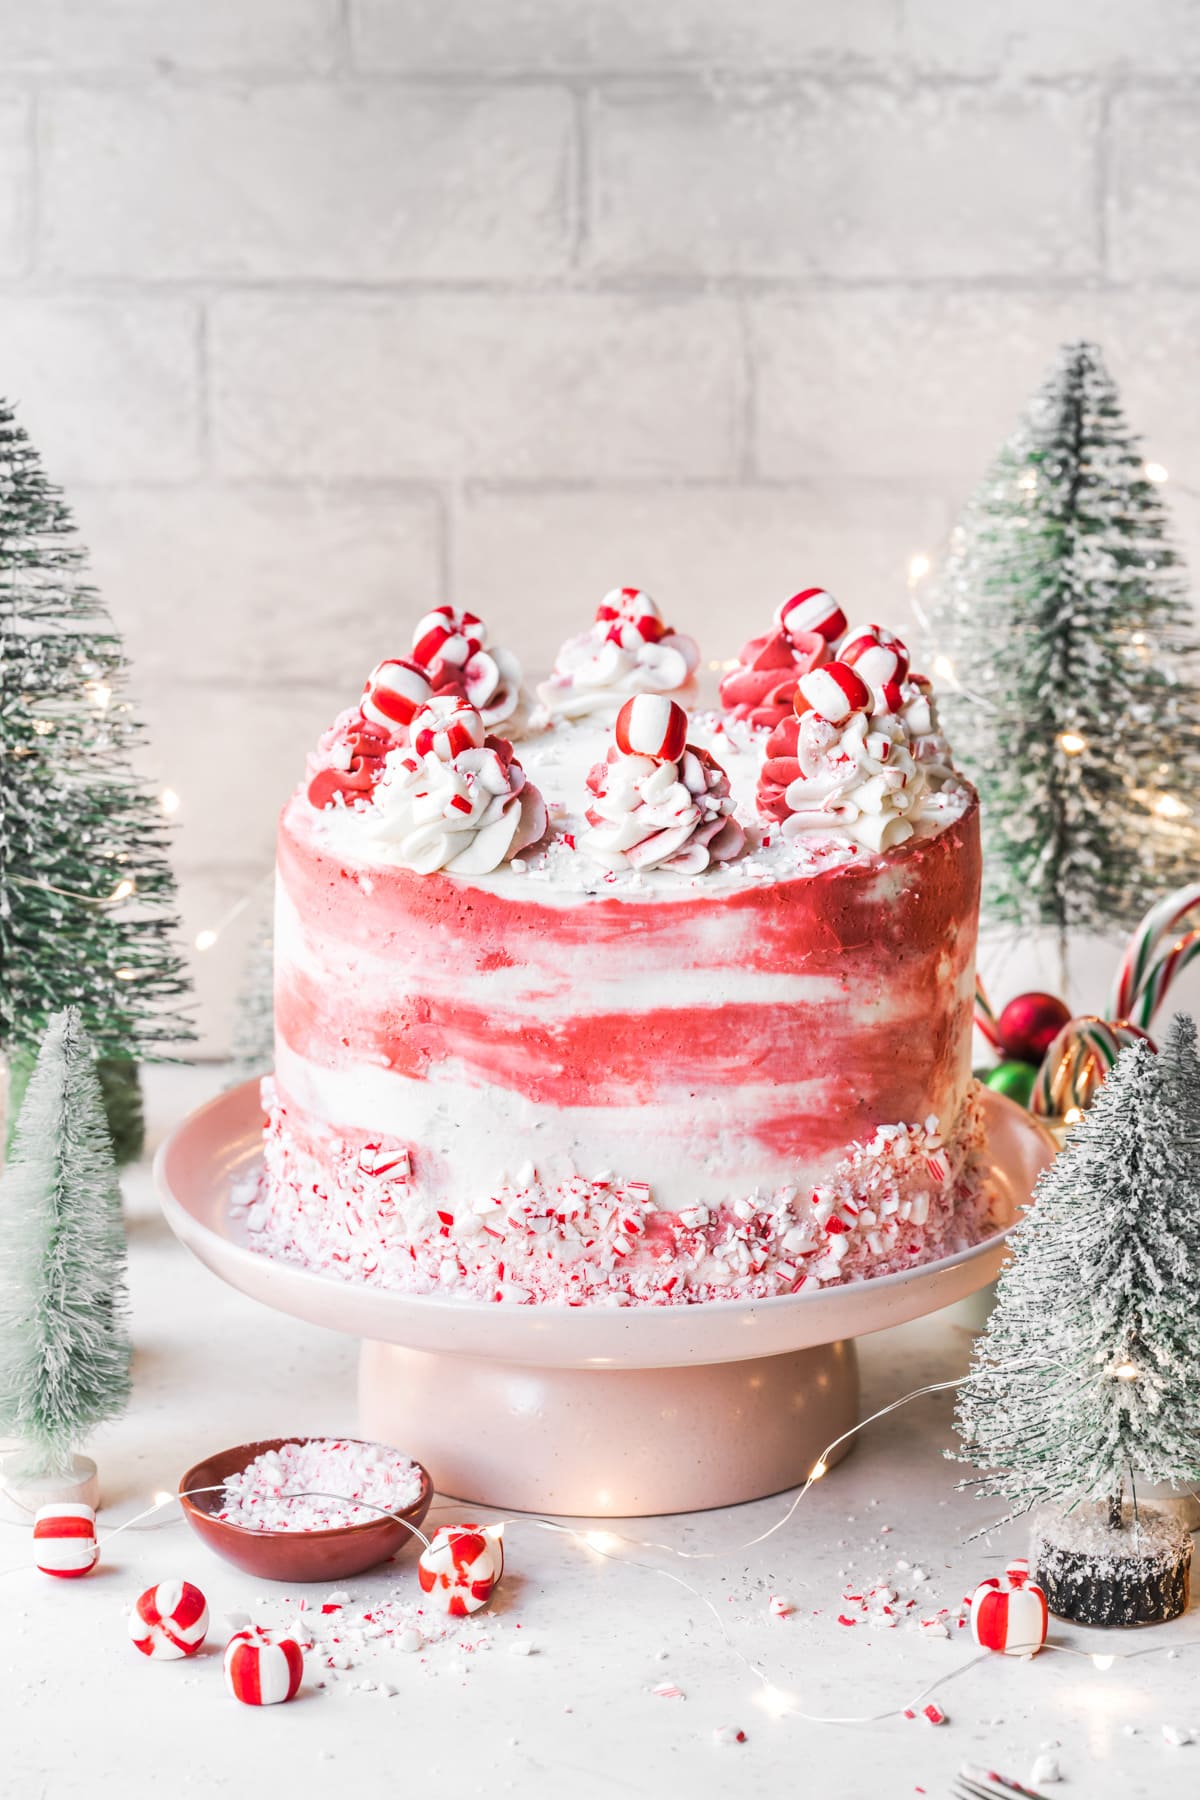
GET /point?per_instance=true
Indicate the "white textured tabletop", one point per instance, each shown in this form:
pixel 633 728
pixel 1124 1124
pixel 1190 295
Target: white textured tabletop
pixel 84 1714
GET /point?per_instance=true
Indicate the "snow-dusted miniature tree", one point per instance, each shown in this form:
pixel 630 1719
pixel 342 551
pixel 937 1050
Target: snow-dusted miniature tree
pixel 1087 1377
pixel 64 1344
pixel 254 1023
pixel 1072 695
pixel 87 896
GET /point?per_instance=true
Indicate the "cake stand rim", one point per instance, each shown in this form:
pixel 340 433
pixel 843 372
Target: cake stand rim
pixel 559 1336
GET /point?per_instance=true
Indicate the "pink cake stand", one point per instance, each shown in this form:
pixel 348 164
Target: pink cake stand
pixel 597 1411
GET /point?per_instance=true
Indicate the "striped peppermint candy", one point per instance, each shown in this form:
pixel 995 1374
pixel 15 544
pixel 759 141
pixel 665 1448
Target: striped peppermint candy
pixel 447 634
pixel 461 1567
pixel 395 690
pixel 170 1621
pixel 877 654
pixel 633 607
pixel 447 726
pixel 1009 1614
pixel 651 725
pixel 812 609
pixel 64 1539
pixel 833 692
pixel 261 1670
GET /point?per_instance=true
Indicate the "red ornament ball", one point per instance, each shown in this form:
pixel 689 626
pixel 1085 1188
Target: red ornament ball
pixel 1029 1025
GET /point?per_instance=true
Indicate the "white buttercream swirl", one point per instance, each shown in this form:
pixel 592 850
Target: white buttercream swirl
pixel 866 778
pixel 446 803
pixel 661 815
pixel 626 651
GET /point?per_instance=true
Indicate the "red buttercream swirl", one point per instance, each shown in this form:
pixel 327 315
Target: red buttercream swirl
pixel 780 767
pixel 761 688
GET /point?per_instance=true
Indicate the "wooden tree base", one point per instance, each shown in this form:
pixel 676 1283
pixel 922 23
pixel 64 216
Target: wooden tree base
pixel 1093 1575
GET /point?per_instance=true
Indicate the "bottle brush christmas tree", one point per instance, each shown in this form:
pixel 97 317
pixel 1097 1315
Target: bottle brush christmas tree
pixel 1086 1380
pixel 1063 630
pixel 64 1346
pixel 86 891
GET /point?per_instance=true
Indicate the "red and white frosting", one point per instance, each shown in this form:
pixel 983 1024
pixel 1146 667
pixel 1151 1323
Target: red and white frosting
pixel 760 690
pixel 451 647
pixel 455 798
pixel 627 650
pixel 856 760
pixel 658 801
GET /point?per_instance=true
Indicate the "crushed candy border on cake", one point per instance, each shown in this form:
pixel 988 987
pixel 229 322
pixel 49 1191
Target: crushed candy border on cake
pixel 348 1206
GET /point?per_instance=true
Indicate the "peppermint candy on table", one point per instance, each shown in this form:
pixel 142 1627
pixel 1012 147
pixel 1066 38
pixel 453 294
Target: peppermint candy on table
pixel 878 655
pixel 1009 1614
pixel 447 726
pixel 833 692
pixel 812 609
pixel 262 1670
pixel 448 635
pixel 394 691
pixel 170 1621
pixel 64 1539
pixel 651 725
pixel 461 1567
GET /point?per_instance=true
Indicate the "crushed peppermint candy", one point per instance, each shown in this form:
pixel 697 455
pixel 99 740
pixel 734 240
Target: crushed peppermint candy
pixel 372 1477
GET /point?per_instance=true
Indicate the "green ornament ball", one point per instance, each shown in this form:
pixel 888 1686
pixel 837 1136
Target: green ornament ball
pixel 1015 1079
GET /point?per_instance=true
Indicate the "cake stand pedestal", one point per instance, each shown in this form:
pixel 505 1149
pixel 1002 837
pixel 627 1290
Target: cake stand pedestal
pixel 590 1411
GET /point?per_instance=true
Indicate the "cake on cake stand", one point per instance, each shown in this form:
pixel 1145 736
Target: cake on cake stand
pixel 597 1411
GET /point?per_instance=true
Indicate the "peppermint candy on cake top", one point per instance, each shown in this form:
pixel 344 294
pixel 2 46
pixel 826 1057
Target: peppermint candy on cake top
pixel 626 650
pixel 658 802
pixel 457 798
pixel 451 648
pixel 862 757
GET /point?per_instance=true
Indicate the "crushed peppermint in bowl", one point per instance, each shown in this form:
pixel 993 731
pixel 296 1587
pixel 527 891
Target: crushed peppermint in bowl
pixel 333 1532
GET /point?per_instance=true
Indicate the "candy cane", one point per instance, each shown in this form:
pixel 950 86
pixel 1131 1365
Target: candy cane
pixel 985 1018
pixel 1160 976
pixel 1139 955
pixel 1098 1039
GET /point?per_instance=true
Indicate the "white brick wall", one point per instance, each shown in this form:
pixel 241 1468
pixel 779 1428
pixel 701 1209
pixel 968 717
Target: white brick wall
pixel 329 309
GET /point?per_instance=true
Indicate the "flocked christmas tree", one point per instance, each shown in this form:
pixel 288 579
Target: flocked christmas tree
pixel 86 891
pixel 1063 634
pixel 64 1347
pixel 1086 1381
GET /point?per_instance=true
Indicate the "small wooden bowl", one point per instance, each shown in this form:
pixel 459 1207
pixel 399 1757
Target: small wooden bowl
pixel 332 1554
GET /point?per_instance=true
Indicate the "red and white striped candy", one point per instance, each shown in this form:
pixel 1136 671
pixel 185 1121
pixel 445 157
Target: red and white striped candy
pixel 631 606
pixel 461 1567
pixel 651 725
pixel 812 609
pixel 1009 1614
pixel 447 726
pixel 877 654
pixel 448 633
pixel 64 1539
pixel 394 692
pixel 261 1670
pixel 169 1621
pixel 835 691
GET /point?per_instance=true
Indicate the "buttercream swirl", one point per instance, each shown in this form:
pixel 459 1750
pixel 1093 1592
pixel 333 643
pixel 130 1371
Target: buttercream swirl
pixel 870 777
pixel 760 689
pixel 650 814
pixel 627 650
pixel 451 648
pixel 455 798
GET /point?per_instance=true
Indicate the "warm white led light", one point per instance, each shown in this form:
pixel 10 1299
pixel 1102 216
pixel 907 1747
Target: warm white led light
pixel 205 939
pixel 1155 472
pixel 1071 744
pixel 169 801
